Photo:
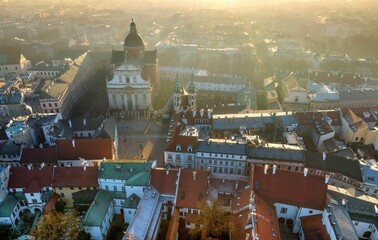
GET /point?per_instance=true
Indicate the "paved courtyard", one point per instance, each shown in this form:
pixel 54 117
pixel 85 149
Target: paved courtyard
pixel 141 139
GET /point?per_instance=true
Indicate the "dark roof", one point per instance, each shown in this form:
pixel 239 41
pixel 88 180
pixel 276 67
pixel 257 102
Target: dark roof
pixel 118 57
pixel 313 228
pixel 38 155
pixel 149 57
pixel 334 77
pixel 75 177
pixel 10 58
pixel 306 118
pixel 30 180
pixel 288 187
pixel 334 163
pixel 84 148
pixel 133 39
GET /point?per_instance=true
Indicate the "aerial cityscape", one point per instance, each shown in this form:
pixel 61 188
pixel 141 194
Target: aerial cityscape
pixel 175 120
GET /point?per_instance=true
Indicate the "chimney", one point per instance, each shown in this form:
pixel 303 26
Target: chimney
pixel 327 177
pixel 274 169
pixel 73 143
pixel 305 171
pixel 194 175
pixel 324 156
pixel 70 123
pixel 84 121
pixel 266 169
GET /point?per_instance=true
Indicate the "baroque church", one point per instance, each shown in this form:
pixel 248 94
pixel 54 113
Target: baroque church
pixel 135 75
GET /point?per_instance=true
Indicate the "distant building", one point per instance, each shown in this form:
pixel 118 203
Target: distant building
pixel 135 75
pixel 13 63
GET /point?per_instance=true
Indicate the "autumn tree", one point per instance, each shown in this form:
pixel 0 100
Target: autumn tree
pixel 58 225
pixel 216 222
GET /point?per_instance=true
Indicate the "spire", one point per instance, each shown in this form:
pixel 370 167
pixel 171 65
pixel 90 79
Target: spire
pixel 177 85
pixel 192 86
pixel 133 26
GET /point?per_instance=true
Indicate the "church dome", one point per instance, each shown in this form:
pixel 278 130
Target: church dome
pixel 133 39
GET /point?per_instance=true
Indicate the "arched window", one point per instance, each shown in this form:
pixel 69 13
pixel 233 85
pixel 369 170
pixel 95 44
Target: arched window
pixel 190 148
pixel 178 147
pixel 127 80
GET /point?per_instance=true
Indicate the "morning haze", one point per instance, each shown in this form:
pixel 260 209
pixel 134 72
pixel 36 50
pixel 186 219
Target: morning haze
pixel 216 119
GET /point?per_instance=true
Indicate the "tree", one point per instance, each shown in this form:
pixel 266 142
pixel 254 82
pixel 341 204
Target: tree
pixel 216 222
pixel 57 225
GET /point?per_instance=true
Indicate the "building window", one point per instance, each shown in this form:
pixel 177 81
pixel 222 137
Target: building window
pixel 34 200
pixel 310 211
pixel 283 210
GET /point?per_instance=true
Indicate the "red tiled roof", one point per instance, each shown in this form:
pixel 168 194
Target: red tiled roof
pixel 192 192
pixel 239 221
pixel 242 200
pixel 184 119
pixel 288 187
pixel 75 177
pixel 313 228
pixel 30 180
pixel 86 148
pixel 353 120
pixel 38 155
pixel 164 181
pixel 266 225
pixel 51 203
pixel 365 113
pixel 184 142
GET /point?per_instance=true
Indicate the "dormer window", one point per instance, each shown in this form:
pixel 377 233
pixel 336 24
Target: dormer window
pixel 178 147
pixel 190 148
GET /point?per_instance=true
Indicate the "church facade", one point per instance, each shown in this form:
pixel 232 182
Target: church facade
pixel 135 75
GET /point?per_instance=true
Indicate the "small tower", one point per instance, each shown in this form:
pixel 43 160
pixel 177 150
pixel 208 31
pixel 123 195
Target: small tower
pixel 192 92
pixel 177 95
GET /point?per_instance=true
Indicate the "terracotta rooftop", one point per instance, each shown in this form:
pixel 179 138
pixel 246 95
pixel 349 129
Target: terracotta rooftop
pixel 192 189
pixel 313 228
pixel 266 226
pixel 75 177
pixel 30 180
pixel 287 187
pixel 74 149
pixel 353 120
pixel 164 180
pixel 38 155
